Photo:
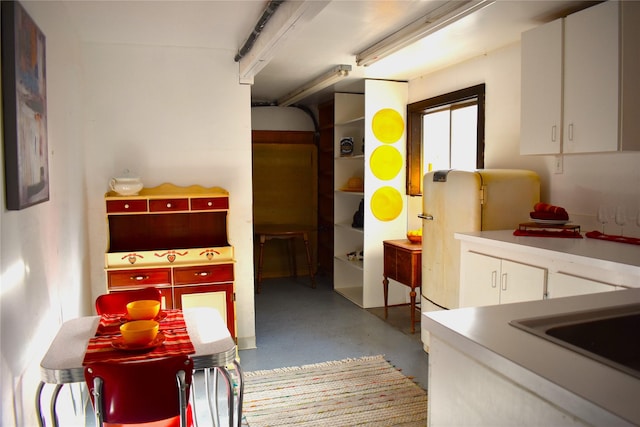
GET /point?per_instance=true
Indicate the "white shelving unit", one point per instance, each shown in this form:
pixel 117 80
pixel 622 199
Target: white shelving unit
pixel 360 281
pixel 349 122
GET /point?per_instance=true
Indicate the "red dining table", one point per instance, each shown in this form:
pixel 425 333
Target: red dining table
pixel 213 349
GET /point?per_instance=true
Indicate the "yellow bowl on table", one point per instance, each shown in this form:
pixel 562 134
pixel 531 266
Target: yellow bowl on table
pixel 139 332
pixel 146 309
pixel 415 236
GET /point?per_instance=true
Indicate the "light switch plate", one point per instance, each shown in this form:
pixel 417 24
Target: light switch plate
pixel 558 164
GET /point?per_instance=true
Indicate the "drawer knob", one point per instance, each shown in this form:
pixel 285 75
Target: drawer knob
pixel 126 205
pixel 202 273
pixel 168 205
pixel 139 277
pixel 210 204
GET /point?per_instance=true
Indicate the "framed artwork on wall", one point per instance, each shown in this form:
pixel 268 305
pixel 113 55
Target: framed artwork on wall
pixel 24 106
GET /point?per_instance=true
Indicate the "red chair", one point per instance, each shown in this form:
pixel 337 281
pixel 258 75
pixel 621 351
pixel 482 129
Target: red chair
pixel 116 302
pixel 152 391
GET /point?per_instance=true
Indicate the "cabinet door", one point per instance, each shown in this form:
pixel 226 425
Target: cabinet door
pixel 521 282
pixel 218 296
pixel 591 79
pixel 566 285
pixel 541 86
pixel 390 265
pixel 480 284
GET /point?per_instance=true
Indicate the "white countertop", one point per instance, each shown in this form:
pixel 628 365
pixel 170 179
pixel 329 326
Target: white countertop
pixel 583 386
pixel 622 257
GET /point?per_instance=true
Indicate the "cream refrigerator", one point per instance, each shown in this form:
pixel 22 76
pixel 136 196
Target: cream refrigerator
pixel 466 201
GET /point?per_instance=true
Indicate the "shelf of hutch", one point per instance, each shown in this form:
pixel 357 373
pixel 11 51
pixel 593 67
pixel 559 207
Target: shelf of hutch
pixel 173 238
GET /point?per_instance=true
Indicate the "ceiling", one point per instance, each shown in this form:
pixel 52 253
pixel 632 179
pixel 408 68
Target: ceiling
pixel 340 30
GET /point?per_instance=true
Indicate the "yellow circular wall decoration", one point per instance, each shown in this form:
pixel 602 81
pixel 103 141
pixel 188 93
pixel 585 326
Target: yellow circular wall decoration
pixel 386 203
pixel 385 162
pixel 387 125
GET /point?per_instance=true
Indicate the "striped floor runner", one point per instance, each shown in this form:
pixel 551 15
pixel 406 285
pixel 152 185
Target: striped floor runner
pixel 354 392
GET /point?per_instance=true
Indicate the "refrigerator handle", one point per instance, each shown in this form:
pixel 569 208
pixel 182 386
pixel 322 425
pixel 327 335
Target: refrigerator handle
pixel 426 216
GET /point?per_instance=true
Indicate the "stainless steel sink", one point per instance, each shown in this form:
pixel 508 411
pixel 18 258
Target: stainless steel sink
pixel 609 335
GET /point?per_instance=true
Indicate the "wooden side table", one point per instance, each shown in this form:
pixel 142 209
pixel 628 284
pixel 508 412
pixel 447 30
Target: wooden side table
pixel 289 232
pixel 403 263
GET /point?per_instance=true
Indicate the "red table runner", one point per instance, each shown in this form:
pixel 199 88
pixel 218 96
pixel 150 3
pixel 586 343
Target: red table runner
pixel 176 340
pixel 548 233
pixel 612 238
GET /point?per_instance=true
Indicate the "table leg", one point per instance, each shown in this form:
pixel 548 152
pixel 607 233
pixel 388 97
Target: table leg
pixel 240 391
pixel 260 259
pixel 306 246
pixel 213 402
pixel 292 255
pixel 192 402
pixel 412 294
pixel 385 287
pixel 54 401
pixel 229 382
pixel 39 404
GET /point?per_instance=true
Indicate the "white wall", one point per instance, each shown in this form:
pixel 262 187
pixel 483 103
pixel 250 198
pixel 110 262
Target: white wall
pixel 587 180
pixel 170 114
pixel 174 115
pixel 44 257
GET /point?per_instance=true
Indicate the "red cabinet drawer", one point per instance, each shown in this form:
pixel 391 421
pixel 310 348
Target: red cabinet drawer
pixel 168 205
pixel 133 205
pixel 139 277
pixel 207 203
pixel 203 274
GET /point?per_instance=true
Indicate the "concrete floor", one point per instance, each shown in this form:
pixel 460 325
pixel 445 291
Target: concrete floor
pixel 298 325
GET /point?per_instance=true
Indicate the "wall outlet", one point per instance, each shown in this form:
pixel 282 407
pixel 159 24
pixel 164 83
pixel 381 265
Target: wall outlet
pixel 558 164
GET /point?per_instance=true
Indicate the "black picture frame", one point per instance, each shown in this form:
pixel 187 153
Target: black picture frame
pixel 24 106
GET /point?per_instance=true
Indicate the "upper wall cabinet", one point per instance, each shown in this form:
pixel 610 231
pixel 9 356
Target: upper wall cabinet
pixel 541 89
pixel 579 90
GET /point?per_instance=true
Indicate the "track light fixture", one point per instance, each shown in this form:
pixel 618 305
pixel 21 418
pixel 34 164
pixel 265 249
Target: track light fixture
pixel 316 85
pixel 435 20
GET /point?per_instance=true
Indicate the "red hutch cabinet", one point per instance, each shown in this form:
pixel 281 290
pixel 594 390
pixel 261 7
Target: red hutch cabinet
pixel 173 238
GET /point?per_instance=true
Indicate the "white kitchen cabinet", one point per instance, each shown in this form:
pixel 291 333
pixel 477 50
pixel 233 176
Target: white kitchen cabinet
pixel 541 87
pixel 591 111
pixel 591 79
pixel 564 285
pixel 488 280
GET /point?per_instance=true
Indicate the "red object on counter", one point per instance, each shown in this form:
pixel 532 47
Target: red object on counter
pixel 547 211
pixel 620 239
pixel 548 233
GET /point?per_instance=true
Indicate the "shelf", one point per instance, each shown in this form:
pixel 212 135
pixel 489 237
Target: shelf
pixel 348 226
pixel 356 156
pixel 355 264
pixel 352 294
pixel 356 193
pixel 350 122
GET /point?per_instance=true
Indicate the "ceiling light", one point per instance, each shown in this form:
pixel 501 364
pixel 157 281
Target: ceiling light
pixel 435 20
pixel 289 18
pixel 316 85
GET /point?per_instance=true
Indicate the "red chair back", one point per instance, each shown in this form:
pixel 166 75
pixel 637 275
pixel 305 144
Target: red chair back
pixel 141 391
pixel 116 302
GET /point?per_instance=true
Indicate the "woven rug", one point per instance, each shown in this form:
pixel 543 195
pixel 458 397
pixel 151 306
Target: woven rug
pixel 353 392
